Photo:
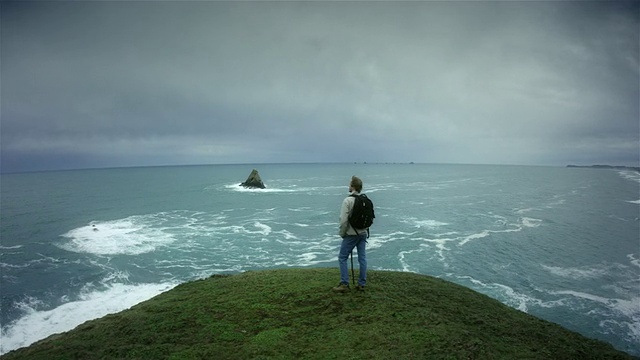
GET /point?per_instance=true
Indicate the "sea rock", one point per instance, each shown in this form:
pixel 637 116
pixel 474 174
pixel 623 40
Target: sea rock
pixel 254 181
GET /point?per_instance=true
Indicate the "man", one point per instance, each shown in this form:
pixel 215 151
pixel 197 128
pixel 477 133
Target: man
pixel 351 238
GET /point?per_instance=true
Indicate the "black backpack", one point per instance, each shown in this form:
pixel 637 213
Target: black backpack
pixel 362 214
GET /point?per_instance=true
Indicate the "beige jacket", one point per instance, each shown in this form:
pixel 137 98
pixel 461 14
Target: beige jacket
pixel 345 210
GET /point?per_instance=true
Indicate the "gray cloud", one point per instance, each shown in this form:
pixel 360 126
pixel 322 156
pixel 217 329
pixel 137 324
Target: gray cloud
pixel 147 83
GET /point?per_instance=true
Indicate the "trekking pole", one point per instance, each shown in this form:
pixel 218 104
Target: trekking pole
pixel 353 277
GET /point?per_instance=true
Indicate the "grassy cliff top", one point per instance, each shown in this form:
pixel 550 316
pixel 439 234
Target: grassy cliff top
pixel 293 314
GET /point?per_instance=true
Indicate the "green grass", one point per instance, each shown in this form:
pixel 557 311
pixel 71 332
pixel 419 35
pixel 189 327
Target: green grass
pixel 293 314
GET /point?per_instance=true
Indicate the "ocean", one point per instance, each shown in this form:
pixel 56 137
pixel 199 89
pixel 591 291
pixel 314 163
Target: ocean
pixel 562 244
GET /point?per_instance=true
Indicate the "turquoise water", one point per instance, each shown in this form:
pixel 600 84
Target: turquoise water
pixel 562 244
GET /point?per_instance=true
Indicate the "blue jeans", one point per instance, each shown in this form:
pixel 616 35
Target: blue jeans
pixel 348 243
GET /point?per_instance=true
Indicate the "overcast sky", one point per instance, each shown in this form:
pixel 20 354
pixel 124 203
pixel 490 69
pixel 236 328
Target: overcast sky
pixel 101 84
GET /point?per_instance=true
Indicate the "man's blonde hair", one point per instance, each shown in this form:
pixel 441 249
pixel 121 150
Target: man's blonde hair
pixel 356 183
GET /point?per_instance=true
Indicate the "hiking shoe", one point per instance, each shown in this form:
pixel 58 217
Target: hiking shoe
pixel 341 288
pixel 360 287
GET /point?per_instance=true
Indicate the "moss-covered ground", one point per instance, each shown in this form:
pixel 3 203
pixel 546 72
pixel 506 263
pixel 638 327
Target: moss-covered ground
pixel 293 314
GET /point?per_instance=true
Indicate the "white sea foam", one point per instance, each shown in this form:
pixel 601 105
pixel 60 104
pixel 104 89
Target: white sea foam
pixel 10 247
pixel 515 299
pixel 376 242
pixel 38 324
pixel 431 224
pixel 290 242
pixel 239 188
pixel 634 259
pixel 129 236
pixel 479 235
pixel 556 203
pixel 264 229
pixel 512 297
pixel 300 209
pixel 524 222
pixel 310 259
pixel 450 233
pixel 523 211
pixel 428 223
pixel 630 175
pixel 439 243
pixel 584 272
pixel 403 261
pixel 621 311
pixel 15 266
pixel 576 273
pixel 629 308
pixel 582 295
pixel 401 234
pixel 287 235
pixel 530 222
pixel 634 202
pixel 307 257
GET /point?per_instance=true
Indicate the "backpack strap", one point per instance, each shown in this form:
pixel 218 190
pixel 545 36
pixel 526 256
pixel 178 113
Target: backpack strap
pixel 354 203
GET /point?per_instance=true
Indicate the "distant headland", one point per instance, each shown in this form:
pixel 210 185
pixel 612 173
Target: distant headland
pixel 616 167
